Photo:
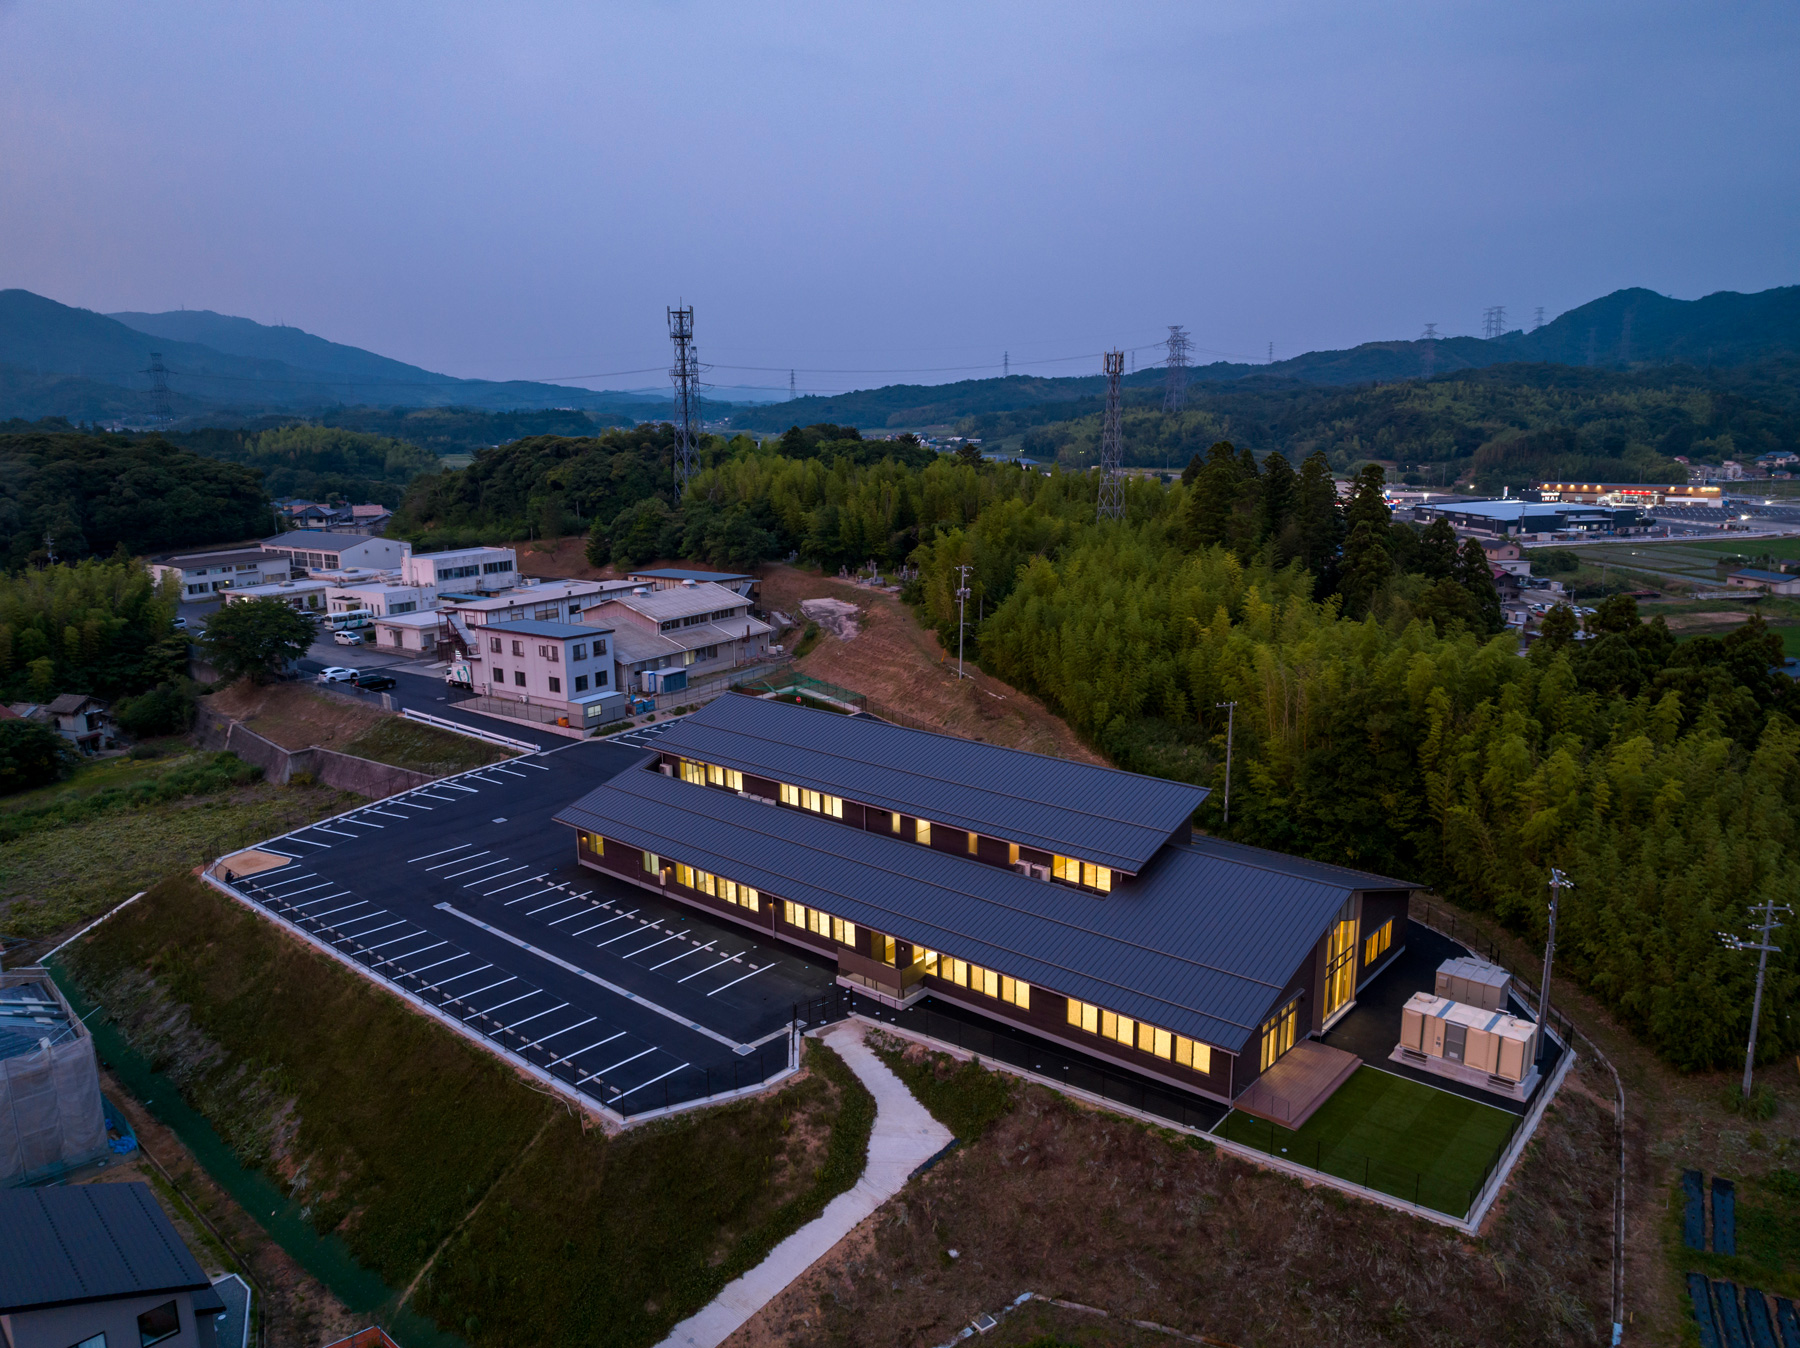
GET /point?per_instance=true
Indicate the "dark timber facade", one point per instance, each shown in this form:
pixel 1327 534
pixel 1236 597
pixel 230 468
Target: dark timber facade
pixel 1069 900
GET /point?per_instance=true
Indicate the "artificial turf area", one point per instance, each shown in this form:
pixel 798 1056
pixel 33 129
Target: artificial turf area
pixel 1394 1135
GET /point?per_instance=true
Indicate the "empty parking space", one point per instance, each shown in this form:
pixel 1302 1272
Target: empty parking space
pixel 464 894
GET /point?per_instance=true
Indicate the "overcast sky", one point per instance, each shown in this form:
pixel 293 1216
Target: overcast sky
pixel 876 192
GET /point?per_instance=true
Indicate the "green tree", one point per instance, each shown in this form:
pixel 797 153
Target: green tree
pixel 1476 575
pixel 258 638
pixel 1316 512
pixel 1367 568
pixel 167 709
pixel 1438 550
pixel 1213 498
pixel 1280 487
pixel 32 754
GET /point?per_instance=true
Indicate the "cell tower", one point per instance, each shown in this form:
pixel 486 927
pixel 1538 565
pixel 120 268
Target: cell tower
pixel 1175 369
pixel 1112 444
pixel 1537 318
pixel 159 388
pixel 685 373
pixel 1493 321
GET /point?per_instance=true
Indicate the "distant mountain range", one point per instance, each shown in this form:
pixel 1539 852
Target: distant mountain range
pixel 60 361
pixel 1626 329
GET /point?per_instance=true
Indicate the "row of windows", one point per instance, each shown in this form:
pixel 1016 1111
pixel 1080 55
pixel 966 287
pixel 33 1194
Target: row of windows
pixel 711 774
pixel 1377 942
pixel 817 801
pixel 820 924
pixel 1141 1035
pixel 551 681
pixel 989 983
pixel 495 568
pixel 1083 873
pixel 456 572
pixel 717 887
pixel 577 652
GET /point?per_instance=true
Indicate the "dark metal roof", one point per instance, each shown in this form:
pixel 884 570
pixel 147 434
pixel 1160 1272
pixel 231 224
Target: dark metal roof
pixel 88 1242
pixel 1097 814
pixel 1200 943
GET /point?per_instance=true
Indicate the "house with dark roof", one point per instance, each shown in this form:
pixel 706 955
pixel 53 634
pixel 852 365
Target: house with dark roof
pixel 1770 582
pixel 1067 900
pixel 99 1266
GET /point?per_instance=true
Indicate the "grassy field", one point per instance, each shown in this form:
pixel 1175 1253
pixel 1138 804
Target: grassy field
pixel 963 1096
pixel 397 1135
pixel 117 826
pixel 1394 1135
pixel 1768 1235
pixel 423 748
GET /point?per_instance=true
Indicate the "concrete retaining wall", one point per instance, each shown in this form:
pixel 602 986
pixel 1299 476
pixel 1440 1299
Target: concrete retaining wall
pixel 216 731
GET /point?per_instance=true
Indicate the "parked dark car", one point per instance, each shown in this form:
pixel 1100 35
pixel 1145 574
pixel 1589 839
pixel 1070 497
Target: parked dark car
pixel 376 683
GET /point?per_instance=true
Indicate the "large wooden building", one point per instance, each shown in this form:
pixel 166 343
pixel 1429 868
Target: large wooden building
pixel 1068 900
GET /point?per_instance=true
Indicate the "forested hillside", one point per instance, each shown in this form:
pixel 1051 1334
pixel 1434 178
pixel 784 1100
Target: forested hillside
pixel 95 493
pixel 1505 426
pixel 318 462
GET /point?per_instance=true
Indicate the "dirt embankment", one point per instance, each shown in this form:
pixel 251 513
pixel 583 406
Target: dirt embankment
pixel 902 668
pixel 293 716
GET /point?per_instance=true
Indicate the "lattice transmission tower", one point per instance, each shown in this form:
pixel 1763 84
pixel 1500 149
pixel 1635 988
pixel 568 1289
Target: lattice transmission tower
pixel 1428 357
pixel 685 373
pixel 1175 369
pixel 1112 444
pixel 1493 321
pixel 159 388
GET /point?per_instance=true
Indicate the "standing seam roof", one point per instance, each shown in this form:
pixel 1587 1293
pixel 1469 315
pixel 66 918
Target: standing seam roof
pixel 1198 944
pixel 88 1242
pixel 1117 819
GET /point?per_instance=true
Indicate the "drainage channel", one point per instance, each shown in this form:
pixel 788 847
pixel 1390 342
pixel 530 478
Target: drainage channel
pixel 327 1258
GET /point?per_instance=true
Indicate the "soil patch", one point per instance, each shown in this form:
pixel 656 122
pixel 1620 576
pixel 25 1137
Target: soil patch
pixel 905 673
pixel 293 716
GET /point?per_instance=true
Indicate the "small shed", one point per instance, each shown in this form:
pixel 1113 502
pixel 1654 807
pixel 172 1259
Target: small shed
pixel 1440 1034
pixel 1474 983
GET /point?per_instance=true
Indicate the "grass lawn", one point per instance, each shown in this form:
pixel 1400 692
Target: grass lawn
pixel 423 748
pixel 1398 1136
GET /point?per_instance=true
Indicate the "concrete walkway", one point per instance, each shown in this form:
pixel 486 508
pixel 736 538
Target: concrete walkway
pixel 904 1137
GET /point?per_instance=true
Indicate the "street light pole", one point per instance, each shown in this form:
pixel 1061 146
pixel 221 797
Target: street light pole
pixel 1558 883
pixel 962 608
pixel 1763 949
pixel 1230 726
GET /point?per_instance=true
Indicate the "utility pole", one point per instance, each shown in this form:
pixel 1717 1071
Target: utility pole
pixel 1112 444
pixel 1175 369
pixel 1558 883
pixel 685 373
pixel 1764 950
pixel 159 388
pixel 962 609
pixel 50 547
pixel 1230 728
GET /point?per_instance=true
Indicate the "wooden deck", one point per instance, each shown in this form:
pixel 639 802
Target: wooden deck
pixel 1290 1091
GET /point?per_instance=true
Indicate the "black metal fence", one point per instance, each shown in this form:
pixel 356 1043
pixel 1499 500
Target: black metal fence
pixel 1465 933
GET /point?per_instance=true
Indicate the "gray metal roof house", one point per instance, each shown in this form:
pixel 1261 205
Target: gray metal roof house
pixel 98 1264
pixel 1070 900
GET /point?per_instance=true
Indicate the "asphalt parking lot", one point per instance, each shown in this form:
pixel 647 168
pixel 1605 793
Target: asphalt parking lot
pixel 464 893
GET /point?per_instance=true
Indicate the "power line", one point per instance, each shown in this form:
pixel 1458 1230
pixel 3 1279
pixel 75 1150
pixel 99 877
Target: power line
pixel 1175 370
pixel 685 373
pixel 1112 445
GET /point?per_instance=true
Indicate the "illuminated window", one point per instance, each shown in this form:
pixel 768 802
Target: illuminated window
pixel 957 971
pixel 1084 1016
pixel 1159 1042
pixel 652 863
pixel 922 831
pixel 894 821
pixel 1340 959
pixel 1378 942
pixel 1122 1029
pixel 809 800
pixel 595 843
pixel 820 924
pixel 1012 854
pixel 974 843
pixel 730 778
pixel 833 806
pixel 1196 1056
pixel 1083 873
pixel 927 958
pixel 1278 1033
pixel 1017 992
pixel 884 949
pixel 790 795
pixel 693 772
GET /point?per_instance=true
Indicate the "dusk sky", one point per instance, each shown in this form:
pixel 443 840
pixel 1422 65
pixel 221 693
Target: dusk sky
pixel 872 193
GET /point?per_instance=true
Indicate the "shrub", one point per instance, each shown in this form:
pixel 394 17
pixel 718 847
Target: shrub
pixel 32 754
pixel 167 709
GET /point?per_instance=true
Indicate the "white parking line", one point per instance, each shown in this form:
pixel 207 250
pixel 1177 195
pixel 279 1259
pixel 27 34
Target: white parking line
pixel 458 786
pixel 296 893
pixel 408 954
pixel 497 861
pixel 684 954
pixel 616 1066
pixel 558 1034
pixel 653 1080
pixel 444 982
pixel 320 917
pixel 448 959
pixel 326 898
pixel 508 771
pixel 320 828
pixel 288 837
pixel 529 880
pixel 609 921
pixel 601 945
pixel 385 814
pixel 527 763
pixel 729 959
pixel 446 852
pixel 291 880
pixel 352 819
pixel 734 982
pixel 409 805
pixel 540 1015
pixel 396 941
pixel 571 917
pixel 447 800
pixel 358 936
pixel 672 936
pixel 535 894
pixel 272 852
pixel 495 876
pixel 578 1052
pixel 548 906
pixel 456 861
pixel 503 1005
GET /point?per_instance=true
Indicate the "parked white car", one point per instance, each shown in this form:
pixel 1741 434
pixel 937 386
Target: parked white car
pixel 347 638
pixel 336 674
